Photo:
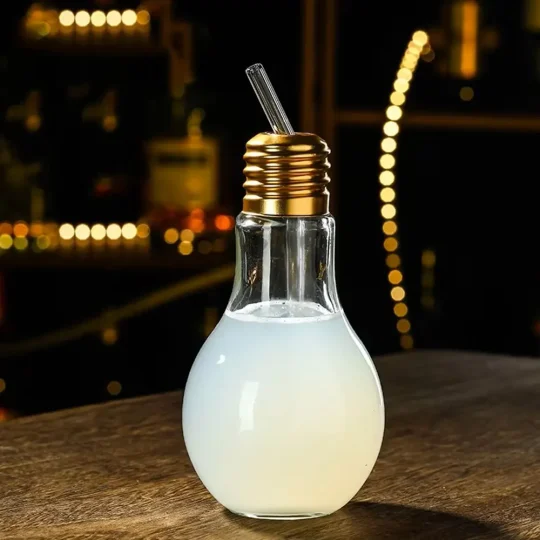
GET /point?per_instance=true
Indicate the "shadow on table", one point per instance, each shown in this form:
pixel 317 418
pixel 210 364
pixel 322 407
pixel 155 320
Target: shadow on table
pixel 375 521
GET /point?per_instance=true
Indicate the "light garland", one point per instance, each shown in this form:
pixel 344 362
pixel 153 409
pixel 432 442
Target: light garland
pixel 99 19
pixel 44 236
pixel 184 239
pixel 40 22
pixel 48 236
pixel 387 179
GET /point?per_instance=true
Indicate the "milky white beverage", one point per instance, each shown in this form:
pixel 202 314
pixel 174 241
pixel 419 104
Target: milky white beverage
pixel 283 413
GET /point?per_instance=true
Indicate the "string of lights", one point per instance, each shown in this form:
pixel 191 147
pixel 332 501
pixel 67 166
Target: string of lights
pixel 387 178
pixel 41 237
pixel 100 19
pixel 45 23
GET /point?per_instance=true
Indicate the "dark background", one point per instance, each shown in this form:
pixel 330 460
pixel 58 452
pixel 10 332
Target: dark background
pixel 469 194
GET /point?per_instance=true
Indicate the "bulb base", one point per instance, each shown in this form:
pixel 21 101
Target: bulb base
pixel 286 175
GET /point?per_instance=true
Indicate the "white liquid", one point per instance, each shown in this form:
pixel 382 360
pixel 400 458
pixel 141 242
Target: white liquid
pixel 283 415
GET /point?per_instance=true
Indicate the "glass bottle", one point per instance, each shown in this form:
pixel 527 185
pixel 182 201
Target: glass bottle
pixel 283 413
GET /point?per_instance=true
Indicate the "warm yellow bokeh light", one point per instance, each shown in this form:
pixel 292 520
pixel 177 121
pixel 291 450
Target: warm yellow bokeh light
pixel 109 336
pixel 114 388
pixel 390 244
pixel 397 293
pixel 428 258
pixel 129 231
pixel 429 56
pixel 43 242
pixel 406 342
pixel 387 161
pixel 409 61
pixel 393 261
pixel 386 178
pixel 391 129
pixel 43 29
pixel 5 241
pixel 395 277
pixel 187 235
pixel 2 385
pixel 98 231
pixel 82 232
pixel 389 227
pixel 401 86
pixel 171 236
pixel 420 38
pixel 394 112
pixel 82 18
pixel 414 49
pixel 66 231
pixel 6 228
pixel 401 309
pixel 408 64
pixel 224 222
pixel 143 17
pixel 397 98
pixel 387 194
pixel 143 230
pixel 466 93
pixel 114 18
pixel 33 122
pixel 98 19
pixel 129 17
pixel 109 122
pixel 36 228
pixel 66 17
pixel 403 326
pixel 411 56
pixel 388 211
pixel 197 225
pixel 20 229
pixel 404 74
pixel 185 248
pixel 388 144
pixel 114 231
pixel 20 243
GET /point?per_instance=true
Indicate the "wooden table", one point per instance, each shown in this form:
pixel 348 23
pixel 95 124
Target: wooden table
pixel 460 460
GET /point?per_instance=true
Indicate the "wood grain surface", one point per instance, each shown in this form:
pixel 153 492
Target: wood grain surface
pixel 460 460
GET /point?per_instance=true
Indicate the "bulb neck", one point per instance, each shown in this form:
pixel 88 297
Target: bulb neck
pixel 285 264
pixel 286 175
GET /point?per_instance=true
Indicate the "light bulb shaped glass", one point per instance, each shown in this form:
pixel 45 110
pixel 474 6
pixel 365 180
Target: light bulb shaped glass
pixel 283 413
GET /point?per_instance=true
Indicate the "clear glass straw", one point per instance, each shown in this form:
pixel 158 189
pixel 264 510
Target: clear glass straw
pixel 268 99
pixel 295 229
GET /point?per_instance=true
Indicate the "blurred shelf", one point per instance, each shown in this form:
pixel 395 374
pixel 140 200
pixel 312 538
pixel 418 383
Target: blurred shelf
pixel 430 120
